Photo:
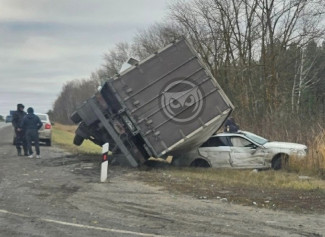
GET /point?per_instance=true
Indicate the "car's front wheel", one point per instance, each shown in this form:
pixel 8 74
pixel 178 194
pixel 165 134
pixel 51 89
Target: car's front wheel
pixel 200 163
pixel 280 161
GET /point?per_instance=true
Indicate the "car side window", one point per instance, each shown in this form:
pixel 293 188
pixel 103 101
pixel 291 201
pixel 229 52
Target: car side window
pixel 215 142
pixel 225 141
pixel 240 142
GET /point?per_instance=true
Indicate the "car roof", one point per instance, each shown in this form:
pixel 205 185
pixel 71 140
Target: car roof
pixel 229 134
pixel 41 114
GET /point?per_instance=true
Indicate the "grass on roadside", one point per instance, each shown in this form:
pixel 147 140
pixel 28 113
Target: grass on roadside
pixel 314 163
pixel 242 178
pixel 277 190
pixel 63 135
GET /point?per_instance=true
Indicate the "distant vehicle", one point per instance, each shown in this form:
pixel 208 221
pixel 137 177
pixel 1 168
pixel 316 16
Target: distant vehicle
pixel 8 119
pixel 241 150
pixel 45 132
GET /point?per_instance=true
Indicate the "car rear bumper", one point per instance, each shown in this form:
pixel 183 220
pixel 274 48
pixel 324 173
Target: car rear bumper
pixel 45 134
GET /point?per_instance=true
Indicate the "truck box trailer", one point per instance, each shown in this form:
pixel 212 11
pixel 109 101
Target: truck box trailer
pixel 167 104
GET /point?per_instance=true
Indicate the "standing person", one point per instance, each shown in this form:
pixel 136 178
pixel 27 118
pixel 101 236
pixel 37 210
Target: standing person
pixel 31 124
pixel 231 126
pixel 20 139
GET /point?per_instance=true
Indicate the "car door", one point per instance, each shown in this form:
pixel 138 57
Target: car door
pixel 217 150
pixel 246 154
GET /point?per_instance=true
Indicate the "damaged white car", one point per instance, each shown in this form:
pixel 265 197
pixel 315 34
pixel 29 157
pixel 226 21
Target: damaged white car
pixel 241 150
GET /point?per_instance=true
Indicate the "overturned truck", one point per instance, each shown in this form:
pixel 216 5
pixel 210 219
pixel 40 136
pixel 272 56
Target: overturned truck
pixel 165 105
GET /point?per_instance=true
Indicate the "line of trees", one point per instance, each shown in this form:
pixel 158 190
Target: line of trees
pixel 268 56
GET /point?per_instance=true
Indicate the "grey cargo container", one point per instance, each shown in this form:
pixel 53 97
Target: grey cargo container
pixel 166 104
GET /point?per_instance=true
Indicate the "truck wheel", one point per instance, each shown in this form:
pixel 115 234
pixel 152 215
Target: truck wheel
pixel 78 140
pixel 75 117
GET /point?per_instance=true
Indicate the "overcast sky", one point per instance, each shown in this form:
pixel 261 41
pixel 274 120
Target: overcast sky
pixel 45 43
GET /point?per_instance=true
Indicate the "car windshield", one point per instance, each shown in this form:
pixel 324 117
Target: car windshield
pixel 42 117
pixel 256 138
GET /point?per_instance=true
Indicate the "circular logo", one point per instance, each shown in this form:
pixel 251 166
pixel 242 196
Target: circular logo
pixel 181 100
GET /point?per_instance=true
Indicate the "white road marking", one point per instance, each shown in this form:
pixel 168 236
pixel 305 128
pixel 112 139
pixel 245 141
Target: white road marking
pixel 82 226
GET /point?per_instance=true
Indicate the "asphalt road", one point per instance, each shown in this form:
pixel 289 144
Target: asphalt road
pixel 60 195
pixel 3 124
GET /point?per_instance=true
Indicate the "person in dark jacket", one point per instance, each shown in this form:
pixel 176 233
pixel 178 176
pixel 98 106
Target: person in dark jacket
pixel 231 126
pixel 20 139
pixel 31 124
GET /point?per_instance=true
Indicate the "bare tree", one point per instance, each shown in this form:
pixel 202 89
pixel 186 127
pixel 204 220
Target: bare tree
pixel 72 95
pixel 306 75
pixel 115 58
pixel 247 45
pixel 148 41
pixel 284 23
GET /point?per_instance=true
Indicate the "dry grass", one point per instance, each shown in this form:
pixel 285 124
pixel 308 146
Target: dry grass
pixel 314 163
pixel 320 150
pixel 63 136
pixel 277 190
pixel 67 128
pixel 248 178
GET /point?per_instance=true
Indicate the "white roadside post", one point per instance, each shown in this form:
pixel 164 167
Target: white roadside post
pixel 104 165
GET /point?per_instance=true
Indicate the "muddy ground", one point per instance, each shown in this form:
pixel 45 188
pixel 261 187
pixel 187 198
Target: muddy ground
pixel 284 199
pixel 60 195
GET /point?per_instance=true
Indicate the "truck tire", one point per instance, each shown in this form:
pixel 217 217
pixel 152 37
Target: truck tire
pixel 78 140
pixel 75 117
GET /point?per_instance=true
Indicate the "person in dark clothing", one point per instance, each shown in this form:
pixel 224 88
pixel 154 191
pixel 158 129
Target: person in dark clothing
pixel 31 124
pixel 231 126
pixel 20 139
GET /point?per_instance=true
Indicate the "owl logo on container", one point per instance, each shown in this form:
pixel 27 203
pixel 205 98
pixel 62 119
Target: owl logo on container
pixel 182 100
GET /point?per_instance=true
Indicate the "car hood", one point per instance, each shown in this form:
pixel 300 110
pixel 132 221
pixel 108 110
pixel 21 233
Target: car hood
pixel 286 145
